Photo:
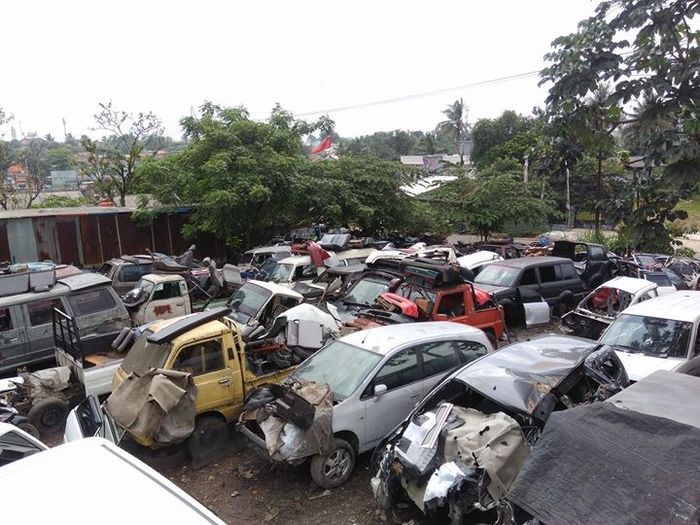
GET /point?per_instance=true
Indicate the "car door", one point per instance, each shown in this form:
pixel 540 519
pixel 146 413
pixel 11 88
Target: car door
pixel 39 327
pixel 168 300
pixel 550 284
pixel 402 376
pixel 205 361
pixel 438 359
pixel 13 348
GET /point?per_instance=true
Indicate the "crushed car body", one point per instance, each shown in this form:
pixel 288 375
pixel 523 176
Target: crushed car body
pixel 463 445
pixel 599 308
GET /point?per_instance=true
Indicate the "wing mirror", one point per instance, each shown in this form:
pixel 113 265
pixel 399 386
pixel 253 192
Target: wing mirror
pixel 380 390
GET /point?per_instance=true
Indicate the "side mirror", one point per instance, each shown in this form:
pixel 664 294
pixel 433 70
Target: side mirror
pixel 380 390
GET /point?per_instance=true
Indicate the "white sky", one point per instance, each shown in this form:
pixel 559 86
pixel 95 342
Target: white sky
pixel 61 57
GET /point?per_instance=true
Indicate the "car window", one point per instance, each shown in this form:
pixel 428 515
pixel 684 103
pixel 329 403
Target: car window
pixel 167 291
pixel 597 253
pixel 91 301
pixel 528 277
pixel 5 320
pixel 438 357
pixel 452 305
pixel 399 370
pixel 308 271
pixel 14 446
pixel 548 274
pixel 41 312
pixel 133 272
pixel 200 358
pixel 567 271
pixel 105 269
pixel 470 350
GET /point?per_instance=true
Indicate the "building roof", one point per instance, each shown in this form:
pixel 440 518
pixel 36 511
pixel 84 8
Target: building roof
pixel 678 306
pixel 384 339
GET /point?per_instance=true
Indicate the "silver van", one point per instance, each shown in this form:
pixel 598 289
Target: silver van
pixel 26 319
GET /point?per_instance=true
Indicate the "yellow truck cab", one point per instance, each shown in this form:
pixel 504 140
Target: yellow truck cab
pixel 208 345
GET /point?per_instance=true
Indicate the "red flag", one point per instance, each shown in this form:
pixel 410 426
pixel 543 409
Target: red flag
pixel 325 144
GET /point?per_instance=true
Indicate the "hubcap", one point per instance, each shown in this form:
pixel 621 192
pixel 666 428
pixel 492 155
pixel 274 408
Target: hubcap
pixel 337 464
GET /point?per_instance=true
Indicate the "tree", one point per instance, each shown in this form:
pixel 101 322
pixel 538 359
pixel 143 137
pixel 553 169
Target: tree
pixel 6 189
pixel 656 70
pixel 456 125
pixel 491 135
pixel 114 160
pixel 38 169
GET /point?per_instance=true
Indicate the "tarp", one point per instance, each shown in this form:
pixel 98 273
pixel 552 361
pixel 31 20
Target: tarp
pixel 601 464
pixel 156 408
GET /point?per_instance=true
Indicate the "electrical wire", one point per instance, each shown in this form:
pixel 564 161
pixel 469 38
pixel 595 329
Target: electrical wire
pixel 491 81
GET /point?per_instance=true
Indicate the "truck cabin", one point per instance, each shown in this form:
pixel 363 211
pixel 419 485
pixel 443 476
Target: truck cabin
pixel 261 301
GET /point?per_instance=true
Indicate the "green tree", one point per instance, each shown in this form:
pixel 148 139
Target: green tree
pixel 489 136
pixel 456 125
pixel 113 161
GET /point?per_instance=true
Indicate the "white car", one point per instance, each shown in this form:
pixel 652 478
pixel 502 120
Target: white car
pixel 658 334
pixel 73 480
pixel 376 377
pixel 16 444
pixel 477 260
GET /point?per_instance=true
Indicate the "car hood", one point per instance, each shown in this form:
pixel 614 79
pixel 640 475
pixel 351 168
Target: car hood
pixel 639 366
pixel 492 289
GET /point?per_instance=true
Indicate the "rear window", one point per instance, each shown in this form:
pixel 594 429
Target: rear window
pixel 41 312
pixel 133 272
pixel 91 301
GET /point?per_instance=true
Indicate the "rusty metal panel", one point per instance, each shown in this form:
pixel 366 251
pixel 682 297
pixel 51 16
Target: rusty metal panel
pixel 46 241
pixel 67 234
pixel 20 236
pixel 177 221
pixel 109 236
pixel 4 244
pixel 135 239
pixel 161 235
pixel 90 240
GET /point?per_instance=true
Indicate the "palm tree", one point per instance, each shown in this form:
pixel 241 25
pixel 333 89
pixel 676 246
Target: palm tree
pixel 456 125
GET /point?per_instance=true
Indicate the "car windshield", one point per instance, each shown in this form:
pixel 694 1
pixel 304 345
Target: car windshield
pixel 268 266
pixel 366 291
pixel 281 273
pixel 143 355
pixel 250 299
pixel 344 367
pixel 105 269
pixel 659 278
pixel 649 335
pixel 497 275
pixel 607 301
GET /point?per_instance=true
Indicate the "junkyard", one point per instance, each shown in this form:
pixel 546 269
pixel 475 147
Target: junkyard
pixel 467 291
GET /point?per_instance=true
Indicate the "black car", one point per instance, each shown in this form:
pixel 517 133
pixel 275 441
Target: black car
pixel 529 279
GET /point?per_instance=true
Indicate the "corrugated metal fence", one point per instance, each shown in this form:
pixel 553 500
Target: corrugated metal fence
pixel 87 239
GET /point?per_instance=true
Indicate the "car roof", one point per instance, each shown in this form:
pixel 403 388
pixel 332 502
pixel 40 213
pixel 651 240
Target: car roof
pixel 678 306
pixel 86 467
pixel 479 257
pixel 296 259
pixel 62 287
pixel 270 249
pixel 275 288
pixel 384 339
pixel 163 277
pixel 629 284
pixel 524 262
pixel 523 373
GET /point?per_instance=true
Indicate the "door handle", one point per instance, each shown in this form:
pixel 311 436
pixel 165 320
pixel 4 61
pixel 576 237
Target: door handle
pixel 11 340
pixel 223 381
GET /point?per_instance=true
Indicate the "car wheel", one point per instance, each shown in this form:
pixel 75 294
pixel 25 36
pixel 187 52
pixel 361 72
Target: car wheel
pixel 209 437
pixel 48 415
pixel 335 468
pixel 29 429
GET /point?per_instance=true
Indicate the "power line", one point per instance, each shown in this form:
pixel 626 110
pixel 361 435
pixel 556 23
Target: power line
pixel 421 95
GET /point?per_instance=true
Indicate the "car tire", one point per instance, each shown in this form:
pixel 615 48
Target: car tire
pixel 48 415
pixel 29 429
pixel 211 434
pixel 334 469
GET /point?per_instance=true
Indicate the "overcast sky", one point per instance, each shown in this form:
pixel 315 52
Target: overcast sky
pixel 61 57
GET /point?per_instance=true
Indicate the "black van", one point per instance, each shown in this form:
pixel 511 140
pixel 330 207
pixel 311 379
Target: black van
pixel 516 281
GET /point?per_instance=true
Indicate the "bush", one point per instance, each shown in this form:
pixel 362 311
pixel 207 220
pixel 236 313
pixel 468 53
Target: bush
pixel 684 251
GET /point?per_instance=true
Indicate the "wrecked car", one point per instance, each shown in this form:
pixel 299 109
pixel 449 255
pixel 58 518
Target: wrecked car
pixel 517 282
pixel 591 261
pixel 431 291
pixel 600 307
pixel 460 449
pixel 658 334
pixel 345 398
pixel 331 284
pixel 582 472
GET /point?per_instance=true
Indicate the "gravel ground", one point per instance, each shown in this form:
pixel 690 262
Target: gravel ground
pixel 244 488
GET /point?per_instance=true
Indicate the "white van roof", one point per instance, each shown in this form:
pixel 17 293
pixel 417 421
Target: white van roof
pixel 678 306
pixel 92 481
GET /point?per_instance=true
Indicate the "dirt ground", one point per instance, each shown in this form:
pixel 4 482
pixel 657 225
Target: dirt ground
pixel 244 488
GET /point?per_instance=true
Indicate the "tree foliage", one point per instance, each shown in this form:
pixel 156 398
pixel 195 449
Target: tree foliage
pixel 112 161
pixel 456 125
